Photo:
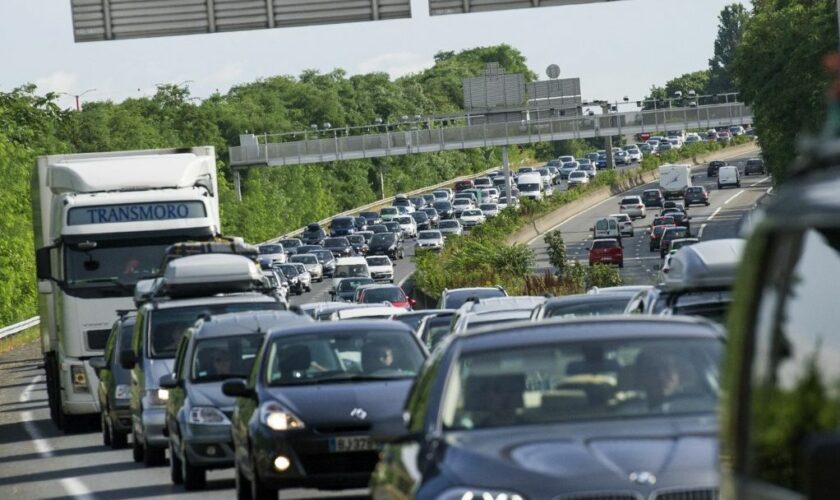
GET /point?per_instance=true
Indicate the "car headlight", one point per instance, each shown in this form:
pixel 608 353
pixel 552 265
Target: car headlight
pixel 122 391
pixel 157 397
pixel 278 418
pixel 478 494
pixel 207 415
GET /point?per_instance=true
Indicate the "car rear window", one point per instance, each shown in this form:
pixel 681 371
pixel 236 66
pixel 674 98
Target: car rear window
pixel 630 201
pixel 605 244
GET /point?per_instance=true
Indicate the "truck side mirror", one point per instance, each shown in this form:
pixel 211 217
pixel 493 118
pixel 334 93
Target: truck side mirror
pixel 128 359
pixel 43 264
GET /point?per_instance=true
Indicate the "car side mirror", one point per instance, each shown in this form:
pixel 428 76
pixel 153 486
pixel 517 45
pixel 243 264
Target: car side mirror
pixel 237 388
pixel 822 461
pixel 128 359
pixel 98 364
pixel 168 381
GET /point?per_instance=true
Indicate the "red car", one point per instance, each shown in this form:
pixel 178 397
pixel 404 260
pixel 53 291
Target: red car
pixel 606 251
pixel 464 185
pixel 375 294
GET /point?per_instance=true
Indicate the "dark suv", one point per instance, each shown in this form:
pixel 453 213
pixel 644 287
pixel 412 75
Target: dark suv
pixel 696 195
pixel 780 425
pixel 314 234
pixel 755 166
pixel 652 198
pixel 712 171
pixel 343 226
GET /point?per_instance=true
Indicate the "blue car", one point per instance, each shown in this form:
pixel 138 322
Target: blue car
pixel 601 163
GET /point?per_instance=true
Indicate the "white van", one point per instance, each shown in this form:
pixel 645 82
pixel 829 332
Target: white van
pixel 607 227
pixel 530 185
pixel 728 176
pixel 350 267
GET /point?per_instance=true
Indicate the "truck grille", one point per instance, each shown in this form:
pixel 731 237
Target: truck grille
pixel 698 494
pixel 96 339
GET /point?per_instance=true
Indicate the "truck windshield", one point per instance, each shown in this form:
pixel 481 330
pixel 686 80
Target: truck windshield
pixel 92 264
pixel 167 325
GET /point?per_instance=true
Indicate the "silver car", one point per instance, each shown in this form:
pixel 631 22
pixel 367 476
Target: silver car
pixel 450 227
pixel 430 239
pixel 304 276
pixel 311 263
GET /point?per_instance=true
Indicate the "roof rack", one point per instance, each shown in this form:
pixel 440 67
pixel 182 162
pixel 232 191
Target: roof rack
pixel 220 245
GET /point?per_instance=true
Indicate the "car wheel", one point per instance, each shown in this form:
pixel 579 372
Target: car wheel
pixel 106 434
pixel 259 491
pixel 153 457
pixel 243 486
pixel 119 439
pixel 195 478
pixel 175 472
pixel 707 203
pixel 719 187
pixel 299 292
pixel 738 185
pixel 136 448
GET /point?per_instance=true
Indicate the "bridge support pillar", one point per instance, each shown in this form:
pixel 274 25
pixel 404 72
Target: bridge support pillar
pixel 237 184
pixel 506 164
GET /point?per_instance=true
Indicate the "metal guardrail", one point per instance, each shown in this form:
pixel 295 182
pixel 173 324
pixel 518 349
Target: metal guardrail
pixel 276 150
pixel 19 327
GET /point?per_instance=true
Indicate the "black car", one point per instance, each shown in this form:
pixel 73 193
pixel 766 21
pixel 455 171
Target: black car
pixel 291 274
pixel 386 244
pixel 422 220
pixel 434 217
pixel 303 417
pixel 444 209
pixel 359 244
pixel 313 234
pixel 115 384
pixel 755 166
pixel 345 290
pixel 308 248
pixel 712 171
pixel 378 228
pixel 371 217
pixel 394 227
pixel 340 246
pixel 583 408
pixel 679 216
pixel 290 245
pixel 652 198
pixel 343 226
pixel 696 195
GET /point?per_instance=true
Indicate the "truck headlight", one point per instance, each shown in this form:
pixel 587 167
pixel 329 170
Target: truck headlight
pixel 79 378
pixel 207 415
pixel 278 418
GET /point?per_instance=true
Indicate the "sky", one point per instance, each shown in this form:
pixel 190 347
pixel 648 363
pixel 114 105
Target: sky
pixel 617 49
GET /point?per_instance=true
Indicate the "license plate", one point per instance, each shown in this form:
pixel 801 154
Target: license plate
pixel 606 259
pixel 353 443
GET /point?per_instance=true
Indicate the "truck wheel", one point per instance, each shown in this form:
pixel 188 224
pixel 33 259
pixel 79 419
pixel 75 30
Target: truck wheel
pixel 243 486
pixel 119 439
pixel 260 491
pixel 53 390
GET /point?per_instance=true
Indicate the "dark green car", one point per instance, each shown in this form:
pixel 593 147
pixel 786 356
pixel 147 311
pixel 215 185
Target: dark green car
pixel 115 385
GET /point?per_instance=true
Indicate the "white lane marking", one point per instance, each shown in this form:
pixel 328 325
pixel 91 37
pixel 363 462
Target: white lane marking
pixel 73 486
pixel 718 209
pixel 739 193
pixel 700 232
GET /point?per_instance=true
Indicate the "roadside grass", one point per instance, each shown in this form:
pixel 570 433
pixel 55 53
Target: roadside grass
pixel 19 339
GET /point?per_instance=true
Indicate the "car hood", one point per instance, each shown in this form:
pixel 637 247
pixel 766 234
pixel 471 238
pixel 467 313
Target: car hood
pixel 210 394
pixel 157 368
pixel 380 269
pixel 380 246
pixel 679 452
pixel 331 404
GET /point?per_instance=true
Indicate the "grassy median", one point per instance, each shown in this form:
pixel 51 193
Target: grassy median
pixel 19 339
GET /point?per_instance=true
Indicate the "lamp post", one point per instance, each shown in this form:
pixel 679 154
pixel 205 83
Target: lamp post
pixel 78 97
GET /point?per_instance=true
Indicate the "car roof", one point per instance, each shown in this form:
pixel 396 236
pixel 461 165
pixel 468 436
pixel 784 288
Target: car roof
pixel 501 304
pixel 335 326
pixel 374 310
pixel 240 323
pixel 617 289
pixel 585 298
pixel 707 264
pixel 587 328
pixel 233 298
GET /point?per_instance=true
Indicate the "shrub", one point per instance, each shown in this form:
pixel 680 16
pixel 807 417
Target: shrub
pixel 556 251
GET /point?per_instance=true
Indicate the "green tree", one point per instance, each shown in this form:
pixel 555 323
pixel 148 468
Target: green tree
pixel 733 19
pixel 778 71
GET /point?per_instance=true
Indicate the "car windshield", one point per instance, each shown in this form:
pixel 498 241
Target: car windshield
pixel 166 326
pixel 343 223
pixel 447 224
pixel 663 221
pixel 383 239
pixel 429 235
pixel 386 294
pixel 350 284
pixel 471 213
pixel 442 205
pixel 216 359
pixel 290 243
pixel 582 381
pixel 389 211
pixel 630 201
pixel 393 227
pixel 594 308
pixel 577 175
pixel 421 216
pixel 462 201
pixel 379 261
pixel 405 220
pixel 288 270
pixel 269 249
pixel 335 242
pixel 304 259
pixel 357 239
pixel 351 270
pixel 342 356
pixel 323 255
pixel 489 206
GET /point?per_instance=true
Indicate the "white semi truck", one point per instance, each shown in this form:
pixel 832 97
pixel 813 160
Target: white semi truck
pixel 674 180
pixel 102 221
